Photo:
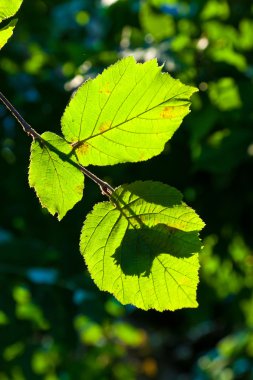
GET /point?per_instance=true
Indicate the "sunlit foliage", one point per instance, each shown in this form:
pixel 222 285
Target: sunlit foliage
pixel 58 45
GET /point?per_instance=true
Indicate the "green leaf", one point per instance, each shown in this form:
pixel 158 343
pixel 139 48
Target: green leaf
pixel 6 32
pixel 126 114
pixel 8 8
pixel 57 181
pixel 156 23
pixel 143 247
pixel 224 93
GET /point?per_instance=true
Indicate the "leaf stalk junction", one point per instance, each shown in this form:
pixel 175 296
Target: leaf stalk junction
pixel 105 188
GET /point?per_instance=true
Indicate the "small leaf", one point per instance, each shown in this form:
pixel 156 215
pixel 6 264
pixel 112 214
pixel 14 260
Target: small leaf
pixel 6 32
pixel 8 8
pixel 57 182
pixel 126 114
pixel 143 247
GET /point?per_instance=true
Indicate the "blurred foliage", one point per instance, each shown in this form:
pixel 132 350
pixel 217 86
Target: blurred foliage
pixel 54 323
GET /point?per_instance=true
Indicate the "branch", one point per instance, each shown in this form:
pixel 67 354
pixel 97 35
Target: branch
pixel 26 127
pixel 105 188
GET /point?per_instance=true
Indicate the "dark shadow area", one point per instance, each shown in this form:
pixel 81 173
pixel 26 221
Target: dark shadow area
pixel 141 246
pixel 152 192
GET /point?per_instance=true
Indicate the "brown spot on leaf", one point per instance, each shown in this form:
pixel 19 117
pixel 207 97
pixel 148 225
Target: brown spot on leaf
pixel 105 126
pixel 82 149
pixel 105 89
pixel 143 156
pixel 169 112
pixel 79 189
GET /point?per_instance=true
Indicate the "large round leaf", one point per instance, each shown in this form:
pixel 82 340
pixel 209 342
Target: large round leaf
pixel 143 246
pixel 126 114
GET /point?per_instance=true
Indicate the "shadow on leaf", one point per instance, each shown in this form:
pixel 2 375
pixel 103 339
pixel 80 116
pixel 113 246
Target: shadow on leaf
pixel 153 192
pixel 140 246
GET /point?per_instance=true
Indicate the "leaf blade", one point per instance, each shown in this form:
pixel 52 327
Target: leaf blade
pixel 9 8
pixel 6 32
pixel 126 114
pixel 60 186
pixel 151 263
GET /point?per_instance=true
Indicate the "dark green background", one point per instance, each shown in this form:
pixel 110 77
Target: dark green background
pixel 54 322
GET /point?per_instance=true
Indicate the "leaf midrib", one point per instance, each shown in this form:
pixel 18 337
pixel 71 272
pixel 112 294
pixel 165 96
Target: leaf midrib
pixel 187 102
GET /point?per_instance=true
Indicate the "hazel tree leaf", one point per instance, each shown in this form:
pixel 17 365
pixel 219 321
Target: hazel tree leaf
pixel 143 247
pixel 126 114
pixel 57 181
pixel 6 32
pixel 8 9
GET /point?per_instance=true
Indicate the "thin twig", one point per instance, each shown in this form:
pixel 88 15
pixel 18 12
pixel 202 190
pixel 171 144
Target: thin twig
pixel 26 127
pixel 105 188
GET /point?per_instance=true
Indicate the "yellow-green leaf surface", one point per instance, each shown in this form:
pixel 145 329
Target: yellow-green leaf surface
pixel 57 182
pixel 6 32
pixel 8 8
pixel 126 114
pixel 143 247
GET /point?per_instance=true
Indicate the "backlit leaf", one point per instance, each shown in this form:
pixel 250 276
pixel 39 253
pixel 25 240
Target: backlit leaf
pixel 143 247
pixel 8 8
pixel 57 182
pixel 6 32
pixel 126 114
